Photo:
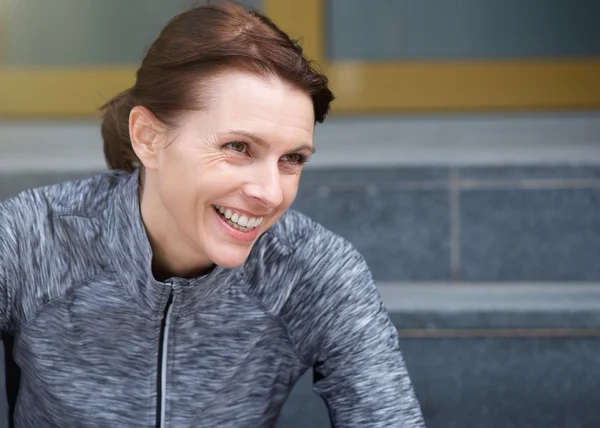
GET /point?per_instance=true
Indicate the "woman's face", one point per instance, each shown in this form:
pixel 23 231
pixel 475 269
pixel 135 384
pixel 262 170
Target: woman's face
pixel 229 171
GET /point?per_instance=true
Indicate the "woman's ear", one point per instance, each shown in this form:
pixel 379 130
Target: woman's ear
pixel 145 134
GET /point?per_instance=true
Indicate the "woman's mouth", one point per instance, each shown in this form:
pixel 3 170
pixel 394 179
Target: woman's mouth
pixel 238 221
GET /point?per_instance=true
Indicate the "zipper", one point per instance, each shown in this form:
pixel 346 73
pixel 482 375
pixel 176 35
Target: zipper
pixel 162 363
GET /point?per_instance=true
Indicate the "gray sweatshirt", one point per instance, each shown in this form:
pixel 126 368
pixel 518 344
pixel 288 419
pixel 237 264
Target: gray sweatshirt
pixel 101 343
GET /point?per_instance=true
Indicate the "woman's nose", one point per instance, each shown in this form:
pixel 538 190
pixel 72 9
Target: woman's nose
pixel 265 186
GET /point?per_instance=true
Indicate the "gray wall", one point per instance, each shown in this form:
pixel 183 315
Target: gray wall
pixel 75 32
pixel 462 29
pixel 84 32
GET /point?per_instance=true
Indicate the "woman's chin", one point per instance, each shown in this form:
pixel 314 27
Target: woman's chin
pixel 230 258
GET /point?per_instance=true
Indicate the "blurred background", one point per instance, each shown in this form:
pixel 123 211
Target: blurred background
pixel 462 158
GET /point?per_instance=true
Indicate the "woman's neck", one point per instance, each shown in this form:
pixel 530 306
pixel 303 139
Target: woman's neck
pixel 173 254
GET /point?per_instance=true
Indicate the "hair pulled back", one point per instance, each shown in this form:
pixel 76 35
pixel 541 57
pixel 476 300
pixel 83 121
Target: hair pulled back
pixel 194 46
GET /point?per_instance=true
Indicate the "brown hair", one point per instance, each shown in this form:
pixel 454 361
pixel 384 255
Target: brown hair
pixel 194 46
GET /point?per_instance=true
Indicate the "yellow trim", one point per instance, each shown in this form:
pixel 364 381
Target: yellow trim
pixel 360 87
pixel 47 92
pixel 466 85
pixel 301 20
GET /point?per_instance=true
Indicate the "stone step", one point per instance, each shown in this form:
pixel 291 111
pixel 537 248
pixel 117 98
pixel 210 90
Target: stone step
pixel 372 141
pixel 490 355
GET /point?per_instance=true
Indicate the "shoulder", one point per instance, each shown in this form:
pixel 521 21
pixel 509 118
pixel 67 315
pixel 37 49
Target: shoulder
pixel 302 236
pixel 84 197
pixel 324 288
pixel 46 219
pixel 37 215
pixel 298 249
pixel 54 232
pixel 299 260
pixel 313 247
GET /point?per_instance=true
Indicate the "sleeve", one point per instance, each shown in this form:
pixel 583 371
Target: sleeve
pixel 8 262
pixel 359 370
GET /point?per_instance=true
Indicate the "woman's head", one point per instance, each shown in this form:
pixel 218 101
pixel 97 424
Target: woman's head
pixel 221 118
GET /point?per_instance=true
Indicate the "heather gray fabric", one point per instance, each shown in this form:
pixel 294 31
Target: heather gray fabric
pixel 77 291
pixel 3 402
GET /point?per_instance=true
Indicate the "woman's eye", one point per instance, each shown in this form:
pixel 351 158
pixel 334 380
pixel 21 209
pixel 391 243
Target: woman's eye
pixel 237 146
pixel 295 158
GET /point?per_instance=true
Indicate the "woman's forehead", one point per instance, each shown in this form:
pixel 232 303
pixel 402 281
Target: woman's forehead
pixel 257 106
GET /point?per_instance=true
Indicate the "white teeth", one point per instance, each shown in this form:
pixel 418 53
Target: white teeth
pixel 240 222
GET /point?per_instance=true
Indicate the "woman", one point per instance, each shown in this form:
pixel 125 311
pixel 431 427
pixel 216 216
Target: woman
pixel 177 289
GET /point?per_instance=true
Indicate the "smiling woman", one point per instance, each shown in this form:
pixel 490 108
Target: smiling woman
pixel 179 288
pixel 202 163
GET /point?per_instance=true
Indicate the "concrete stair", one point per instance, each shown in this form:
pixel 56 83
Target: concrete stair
pixel 490 355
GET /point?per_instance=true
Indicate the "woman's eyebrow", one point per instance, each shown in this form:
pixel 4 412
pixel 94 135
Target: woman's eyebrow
pixel 261 142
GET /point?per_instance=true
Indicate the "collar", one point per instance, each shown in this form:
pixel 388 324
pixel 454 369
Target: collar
pixel 132 254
